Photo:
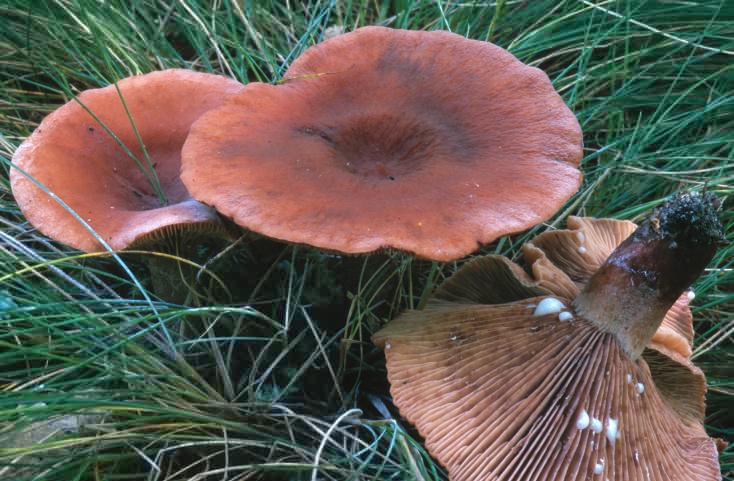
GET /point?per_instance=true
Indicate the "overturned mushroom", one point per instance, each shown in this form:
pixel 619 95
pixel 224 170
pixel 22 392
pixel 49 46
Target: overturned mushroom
pixel 113 156
pixel 507 382
pixel 425 142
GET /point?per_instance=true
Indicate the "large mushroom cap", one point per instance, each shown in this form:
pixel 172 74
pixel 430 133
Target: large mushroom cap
pixel 76 158
pixel 425 142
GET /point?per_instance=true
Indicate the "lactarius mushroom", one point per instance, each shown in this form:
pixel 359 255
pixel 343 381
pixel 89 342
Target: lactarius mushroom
pixel 113 156
pixel 383 138
pixel 509 382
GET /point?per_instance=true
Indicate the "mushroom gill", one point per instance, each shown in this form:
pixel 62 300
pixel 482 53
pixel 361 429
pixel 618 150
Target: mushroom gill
pixel 510 377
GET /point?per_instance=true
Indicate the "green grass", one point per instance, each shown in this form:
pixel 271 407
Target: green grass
pixel 274 377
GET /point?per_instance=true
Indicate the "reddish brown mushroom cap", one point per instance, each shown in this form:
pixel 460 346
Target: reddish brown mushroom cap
pixel 72 155
pixel 425 142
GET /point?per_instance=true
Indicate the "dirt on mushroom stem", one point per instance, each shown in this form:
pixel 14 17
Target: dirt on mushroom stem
pixel 641 280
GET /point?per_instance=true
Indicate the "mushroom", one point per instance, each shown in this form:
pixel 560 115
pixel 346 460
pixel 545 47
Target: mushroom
pixel 425 142
pixel 113 156
pixel 509 377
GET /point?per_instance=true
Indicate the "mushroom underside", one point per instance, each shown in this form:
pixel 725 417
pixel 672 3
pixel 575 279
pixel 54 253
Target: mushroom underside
pixel 499 393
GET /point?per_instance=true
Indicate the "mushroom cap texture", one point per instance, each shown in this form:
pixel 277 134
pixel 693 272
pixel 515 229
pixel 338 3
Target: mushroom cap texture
pixel 72 155
pixel 497 391
pixel 426 142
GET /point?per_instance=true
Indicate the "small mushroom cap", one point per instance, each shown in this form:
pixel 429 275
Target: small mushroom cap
pixel 426 142
pixel 72 155
pixel 500 393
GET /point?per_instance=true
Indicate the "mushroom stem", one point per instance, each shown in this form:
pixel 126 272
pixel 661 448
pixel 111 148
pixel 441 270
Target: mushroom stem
pixel 170 279
pixel 631 292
